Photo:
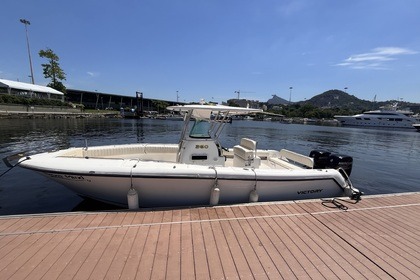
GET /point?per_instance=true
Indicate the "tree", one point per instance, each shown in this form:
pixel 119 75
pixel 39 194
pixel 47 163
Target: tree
pixel 160 105
pixel 52 70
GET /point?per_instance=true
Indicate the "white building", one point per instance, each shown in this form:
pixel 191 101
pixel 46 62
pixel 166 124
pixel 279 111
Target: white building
pixel 29 90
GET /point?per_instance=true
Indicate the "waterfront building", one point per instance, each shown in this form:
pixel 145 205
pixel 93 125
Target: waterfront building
pixel 29 90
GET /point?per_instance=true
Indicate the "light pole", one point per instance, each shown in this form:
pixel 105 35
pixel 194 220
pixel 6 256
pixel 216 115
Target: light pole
pixel 26 23
pixel 290 95
pixel 139 99
pixel 238 93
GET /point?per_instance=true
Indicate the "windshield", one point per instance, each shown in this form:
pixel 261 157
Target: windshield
pixel 200 129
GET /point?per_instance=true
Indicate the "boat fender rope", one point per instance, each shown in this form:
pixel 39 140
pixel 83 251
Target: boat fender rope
pixel 255 176
pixel 131 173
pixel 216 183
pixel 253 195
pixel 12 166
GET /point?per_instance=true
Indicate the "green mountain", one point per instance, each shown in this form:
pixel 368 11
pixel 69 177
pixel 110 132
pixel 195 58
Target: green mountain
pixel 340 99
pixel 334 102
pixel 275 100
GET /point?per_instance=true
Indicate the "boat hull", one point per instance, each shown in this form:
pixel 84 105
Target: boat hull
pixel 164 184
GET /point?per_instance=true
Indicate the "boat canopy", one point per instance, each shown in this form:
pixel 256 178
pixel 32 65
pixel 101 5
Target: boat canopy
pixel 205 111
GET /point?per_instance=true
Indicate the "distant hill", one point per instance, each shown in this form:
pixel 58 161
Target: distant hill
pixel 275 100
pixel 339 99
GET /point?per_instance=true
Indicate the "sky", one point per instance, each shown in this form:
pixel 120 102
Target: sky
pixel 188 50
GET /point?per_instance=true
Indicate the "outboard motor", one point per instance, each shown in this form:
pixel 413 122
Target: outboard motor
pixel 321 158
pixel 343 161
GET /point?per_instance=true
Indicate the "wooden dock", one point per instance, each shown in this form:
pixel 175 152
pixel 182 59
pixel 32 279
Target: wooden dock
pixel 377 238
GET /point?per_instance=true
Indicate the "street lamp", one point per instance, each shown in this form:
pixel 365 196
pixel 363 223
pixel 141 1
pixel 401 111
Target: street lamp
pixel 238 93
pixel 26 23
pixel 290 95
pixel 139 100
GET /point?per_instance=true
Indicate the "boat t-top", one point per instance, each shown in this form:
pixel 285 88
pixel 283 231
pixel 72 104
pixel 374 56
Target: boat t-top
pixel 197 170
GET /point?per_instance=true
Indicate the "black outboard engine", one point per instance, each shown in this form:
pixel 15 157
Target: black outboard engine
pixel 343 161
pixel 321 158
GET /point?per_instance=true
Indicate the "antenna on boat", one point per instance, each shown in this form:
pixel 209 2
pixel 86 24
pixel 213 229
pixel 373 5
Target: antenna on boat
pixel 374 101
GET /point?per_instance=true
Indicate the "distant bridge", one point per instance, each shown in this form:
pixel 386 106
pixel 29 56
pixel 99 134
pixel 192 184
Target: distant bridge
pixel 104 101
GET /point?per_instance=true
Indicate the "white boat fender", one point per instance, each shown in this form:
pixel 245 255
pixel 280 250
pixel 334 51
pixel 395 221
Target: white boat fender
pixel 214 196
pixel 253 196
pixel 132 199
pixel 215 191
pixel 132 196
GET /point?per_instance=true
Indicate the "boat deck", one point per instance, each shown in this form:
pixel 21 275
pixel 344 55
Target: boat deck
pixel 378 238
pixel 263 159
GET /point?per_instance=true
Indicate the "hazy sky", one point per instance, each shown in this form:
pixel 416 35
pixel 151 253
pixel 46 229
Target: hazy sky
pixel 211 48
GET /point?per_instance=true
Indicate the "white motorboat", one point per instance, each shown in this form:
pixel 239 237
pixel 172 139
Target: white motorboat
pixel 197 170
pixel 384 117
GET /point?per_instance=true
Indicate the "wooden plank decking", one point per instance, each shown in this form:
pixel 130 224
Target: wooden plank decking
pixel 378 238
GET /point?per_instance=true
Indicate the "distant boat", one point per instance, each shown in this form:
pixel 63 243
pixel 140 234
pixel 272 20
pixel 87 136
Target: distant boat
pixel 417 126
pixel 129 113
pixel 310 121
pixel 169 117
pixel 384 117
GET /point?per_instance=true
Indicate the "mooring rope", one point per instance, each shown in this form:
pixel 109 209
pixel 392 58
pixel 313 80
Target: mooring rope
pixel 13 166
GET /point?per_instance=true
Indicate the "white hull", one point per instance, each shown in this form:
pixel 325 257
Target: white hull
pixel 162 192
pixel 161 184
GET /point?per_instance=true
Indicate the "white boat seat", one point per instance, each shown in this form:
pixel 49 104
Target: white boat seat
pixel 295 159
pixel 245 154
pixel 249 144
pixel 278 162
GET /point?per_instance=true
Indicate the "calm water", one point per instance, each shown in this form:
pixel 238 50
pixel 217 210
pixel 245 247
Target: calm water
pixel 385 161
